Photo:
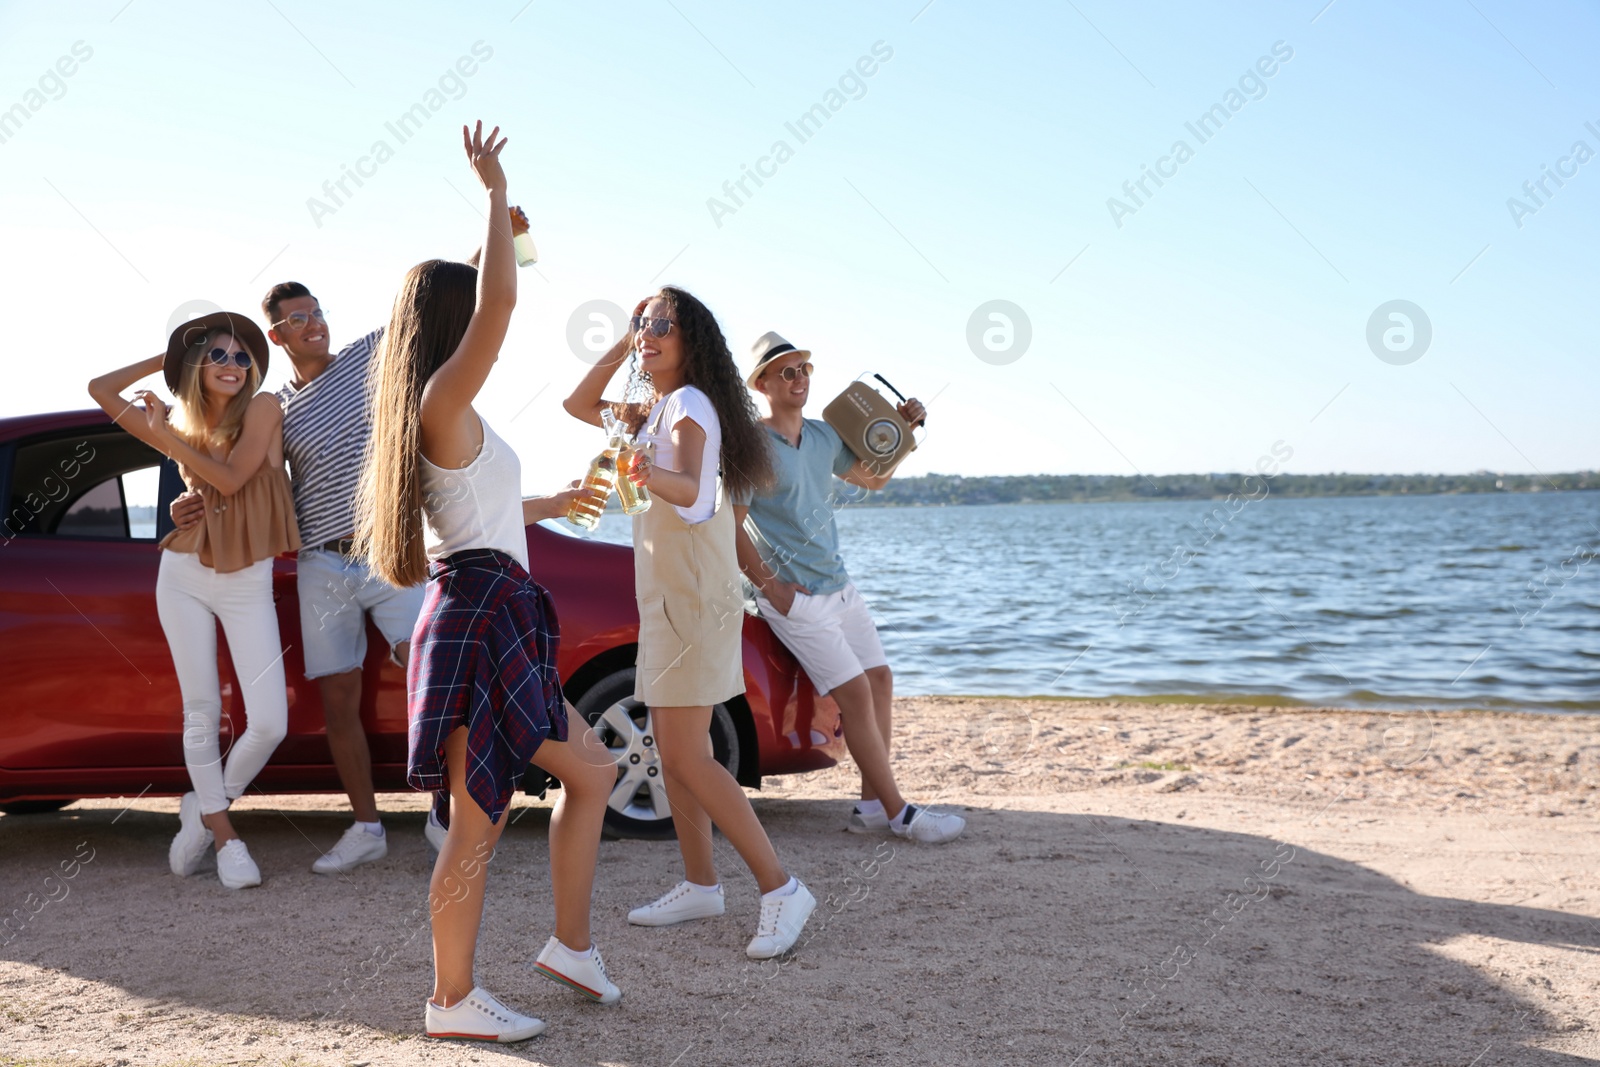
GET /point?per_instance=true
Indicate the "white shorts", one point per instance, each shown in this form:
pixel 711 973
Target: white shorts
pixel 336 596
pixel 832 635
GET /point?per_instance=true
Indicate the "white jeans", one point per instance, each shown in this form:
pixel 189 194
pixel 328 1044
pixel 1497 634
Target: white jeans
pixel 190 599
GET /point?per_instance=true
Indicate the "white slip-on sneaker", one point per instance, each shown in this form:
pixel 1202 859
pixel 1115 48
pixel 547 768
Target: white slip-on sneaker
pixel 927 826
pixel 235 868
pixel 683 902
pixel 434 832
pixel 782 919
pixel 478 1016
pixel 875 823
pixel 193 840
pixel 584 972
pixel 352 850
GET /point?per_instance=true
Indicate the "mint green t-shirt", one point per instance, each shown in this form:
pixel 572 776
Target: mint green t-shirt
pixel 794 520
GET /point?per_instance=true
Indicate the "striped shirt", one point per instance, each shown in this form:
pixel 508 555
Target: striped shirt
pixel 326 424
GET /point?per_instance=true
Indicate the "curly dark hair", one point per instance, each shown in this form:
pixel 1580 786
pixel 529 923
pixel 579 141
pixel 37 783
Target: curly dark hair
pixel 708 365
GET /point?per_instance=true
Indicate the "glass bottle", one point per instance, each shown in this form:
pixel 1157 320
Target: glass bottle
pixel 633 497
pixel 522 243
pixel 597 484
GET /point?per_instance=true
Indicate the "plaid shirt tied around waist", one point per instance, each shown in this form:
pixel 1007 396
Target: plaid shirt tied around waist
pixel 483 656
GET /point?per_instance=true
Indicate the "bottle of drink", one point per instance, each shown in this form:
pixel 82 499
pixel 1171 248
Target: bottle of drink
pixel 597 485
pixel 522 243
pixel 633 497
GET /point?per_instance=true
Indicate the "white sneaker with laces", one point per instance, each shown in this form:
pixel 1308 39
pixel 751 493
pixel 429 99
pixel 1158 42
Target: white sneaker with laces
pixel 478 1016
pixel 351 851
pixel 235 868
pixel 683 902
pixel 862 823
pixel 193 840
pixel 782 919
pixel 927 826
pixel 434 832
pixel 585 973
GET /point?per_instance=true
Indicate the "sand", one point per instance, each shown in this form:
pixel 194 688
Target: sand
pixel 1139 884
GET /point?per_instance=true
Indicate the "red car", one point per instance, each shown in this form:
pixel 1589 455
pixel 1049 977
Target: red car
pixel 91 705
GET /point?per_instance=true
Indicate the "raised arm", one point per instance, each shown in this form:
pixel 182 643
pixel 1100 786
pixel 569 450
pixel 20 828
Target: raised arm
pixel 107 392
pixel 588 398
pixel 448 426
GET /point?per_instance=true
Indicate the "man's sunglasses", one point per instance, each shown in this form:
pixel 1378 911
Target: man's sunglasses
pixel 220 357
pixel 789 374
pixel 657 327
pixel 299 320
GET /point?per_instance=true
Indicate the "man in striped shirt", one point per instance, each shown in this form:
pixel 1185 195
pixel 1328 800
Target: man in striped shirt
pixel 326 424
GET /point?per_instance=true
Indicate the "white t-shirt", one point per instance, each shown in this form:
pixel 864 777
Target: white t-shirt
pixel 687 402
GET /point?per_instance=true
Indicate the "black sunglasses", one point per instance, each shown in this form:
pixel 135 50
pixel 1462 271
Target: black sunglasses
pixel 657 327
pixel 221 358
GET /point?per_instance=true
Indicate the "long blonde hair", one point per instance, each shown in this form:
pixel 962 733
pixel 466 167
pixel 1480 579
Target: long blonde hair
pixel 191 421
pixel 429 318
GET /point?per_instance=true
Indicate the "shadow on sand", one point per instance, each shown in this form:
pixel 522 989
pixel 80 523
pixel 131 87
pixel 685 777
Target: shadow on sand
pixel 1039 938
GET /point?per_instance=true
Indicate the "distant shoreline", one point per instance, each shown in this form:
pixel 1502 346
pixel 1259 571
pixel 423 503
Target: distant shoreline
pixel 945 490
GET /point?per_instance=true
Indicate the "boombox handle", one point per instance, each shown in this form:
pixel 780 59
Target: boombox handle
pixel 920 422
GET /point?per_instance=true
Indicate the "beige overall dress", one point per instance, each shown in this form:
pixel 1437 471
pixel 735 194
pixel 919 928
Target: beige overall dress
pixel 691 606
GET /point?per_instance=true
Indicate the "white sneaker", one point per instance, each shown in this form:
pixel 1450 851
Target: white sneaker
pixel 478 1016
pixel 352 850
pixel 861 823
pixel 434 832
pixel 782 919
pixel 235 867
pixel 927 826
pixel 586 973
pixel 193 840
pixel 682 903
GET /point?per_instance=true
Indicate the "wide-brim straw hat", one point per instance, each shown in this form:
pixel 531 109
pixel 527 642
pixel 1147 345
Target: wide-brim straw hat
pixel 242 329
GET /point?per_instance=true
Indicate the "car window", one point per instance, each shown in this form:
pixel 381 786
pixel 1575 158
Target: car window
pixel 89 484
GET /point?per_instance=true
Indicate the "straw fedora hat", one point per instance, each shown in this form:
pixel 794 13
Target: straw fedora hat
pixel 768 347
pixel 193 332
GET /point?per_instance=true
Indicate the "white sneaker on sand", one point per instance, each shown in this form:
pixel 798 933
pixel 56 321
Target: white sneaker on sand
pixel 193 840
pixel 352 850
pixel 862 823
pixel 683 902
pixel 782 919
pixel 235 868
pixel 434 832
pixel 478 1016
pixel 927 826
pixel 584 972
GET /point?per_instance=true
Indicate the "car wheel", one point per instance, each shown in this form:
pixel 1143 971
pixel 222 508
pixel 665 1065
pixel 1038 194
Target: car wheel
pixel 32 807
pixel 638 804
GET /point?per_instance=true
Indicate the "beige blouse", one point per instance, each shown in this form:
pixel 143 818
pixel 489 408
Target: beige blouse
pixel 253 524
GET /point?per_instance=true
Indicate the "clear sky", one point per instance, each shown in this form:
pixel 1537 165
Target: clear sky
pixel 969 154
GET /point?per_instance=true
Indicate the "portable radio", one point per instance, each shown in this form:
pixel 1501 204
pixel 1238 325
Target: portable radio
pixel 870 426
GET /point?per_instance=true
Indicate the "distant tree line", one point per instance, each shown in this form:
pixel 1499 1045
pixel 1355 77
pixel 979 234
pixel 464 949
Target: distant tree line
pixel 945 489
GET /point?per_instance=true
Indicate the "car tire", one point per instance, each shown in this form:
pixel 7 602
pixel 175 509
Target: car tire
pixel 32 807
pixel 638 806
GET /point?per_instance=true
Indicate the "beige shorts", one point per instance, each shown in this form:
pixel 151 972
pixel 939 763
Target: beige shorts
pixel 832 635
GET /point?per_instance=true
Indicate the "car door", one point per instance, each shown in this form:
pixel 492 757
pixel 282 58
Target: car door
pixel 88 680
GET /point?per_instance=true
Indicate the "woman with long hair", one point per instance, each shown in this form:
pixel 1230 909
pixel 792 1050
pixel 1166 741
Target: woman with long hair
pixel 440 500
pixel 228 442
pixel 708 448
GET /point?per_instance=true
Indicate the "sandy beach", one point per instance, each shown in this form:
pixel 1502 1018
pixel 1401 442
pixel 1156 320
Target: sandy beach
pixel 1139 884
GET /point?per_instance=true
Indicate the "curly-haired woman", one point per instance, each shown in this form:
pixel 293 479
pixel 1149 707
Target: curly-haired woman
pixel 702 425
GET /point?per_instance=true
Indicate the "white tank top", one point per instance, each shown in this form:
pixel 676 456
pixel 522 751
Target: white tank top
pixel 477 506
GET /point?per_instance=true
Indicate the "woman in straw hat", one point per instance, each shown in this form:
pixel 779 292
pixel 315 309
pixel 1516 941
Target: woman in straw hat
pixel 228 441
